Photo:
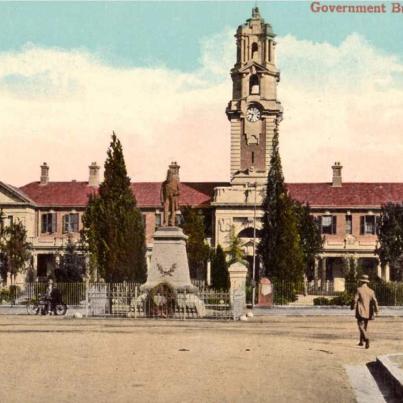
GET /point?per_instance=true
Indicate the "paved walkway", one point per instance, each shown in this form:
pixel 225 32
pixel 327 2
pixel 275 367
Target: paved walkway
pixel 321 311
pixel 275 360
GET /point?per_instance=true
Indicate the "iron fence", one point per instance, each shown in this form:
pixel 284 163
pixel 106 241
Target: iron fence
pixel 387 294
pixel 129 300
pixel 22 293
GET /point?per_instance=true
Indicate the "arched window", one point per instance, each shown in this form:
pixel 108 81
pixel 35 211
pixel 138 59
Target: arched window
pixel 254 51
pixel 248 233
pixel 254 88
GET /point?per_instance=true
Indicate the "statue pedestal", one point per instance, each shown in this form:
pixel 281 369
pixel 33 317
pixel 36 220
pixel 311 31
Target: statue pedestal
pixel 169 262
pixel 169 269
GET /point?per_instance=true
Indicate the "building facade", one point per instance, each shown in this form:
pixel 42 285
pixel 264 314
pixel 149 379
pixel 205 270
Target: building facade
pixel 347 212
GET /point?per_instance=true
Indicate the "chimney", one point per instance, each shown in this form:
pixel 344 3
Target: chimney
pixel 336 181
pixel 93 179
pixel 44 174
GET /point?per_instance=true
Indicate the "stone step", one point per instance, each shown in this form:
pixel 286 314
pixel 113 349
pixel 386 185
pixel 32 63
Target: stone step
pixel 365 388
pixel 390 370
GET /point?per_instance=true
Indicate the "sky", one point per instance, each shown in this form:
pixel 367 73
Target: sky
pixel 157 73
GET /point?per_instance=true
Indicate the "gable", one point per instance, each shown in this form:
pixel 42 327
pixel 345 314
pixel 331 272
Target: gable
pixel 253 67
pixel 9 195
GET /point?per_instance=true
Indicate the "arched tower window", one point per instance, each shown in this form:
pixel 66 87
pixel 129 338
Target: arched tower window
pixel 255 51
pixel 254 87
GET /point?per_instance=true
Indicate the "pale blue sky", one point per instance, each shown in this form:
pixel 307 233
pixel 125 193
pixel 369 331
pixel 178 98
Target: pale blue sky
pixel 161 80
pixel 169 33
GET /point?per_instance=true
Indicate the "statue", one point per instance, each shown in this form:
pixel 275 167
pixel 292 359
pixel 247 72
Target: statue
pixel 170 195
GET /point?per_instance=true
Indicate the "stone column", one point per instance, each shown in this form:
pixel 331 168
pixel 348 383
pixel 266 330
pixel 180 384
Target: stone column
pixel 355 264
pixel 237 276
pixel 386 273
pixel 35 263
pixel 209 272
pixel 323 274
pixel 315 274
pixel 379 270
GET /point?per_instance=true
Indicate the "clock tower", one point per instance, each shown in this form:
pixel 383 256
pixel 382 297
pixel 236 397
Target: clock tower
pixel 254 111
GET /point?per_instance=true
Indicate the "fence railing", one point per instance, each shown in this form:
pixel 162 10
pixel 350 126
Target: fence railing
pixel 387 294
pixel 128 300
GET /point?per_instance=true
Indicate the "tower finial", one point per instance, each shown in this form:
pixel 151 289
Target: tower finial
pixel 255 11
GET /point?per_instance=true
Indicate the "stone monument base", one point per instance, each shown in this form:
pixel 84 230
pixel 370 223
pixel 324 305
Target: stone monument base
pixel 169 269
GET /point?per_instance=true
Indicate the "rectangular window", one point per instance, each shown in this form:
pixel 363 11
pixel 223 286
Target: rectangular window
pixel 368 225
pixel 328 224
pixel 48 223
pixel 349 224
pixel 6 221
pixel 70 222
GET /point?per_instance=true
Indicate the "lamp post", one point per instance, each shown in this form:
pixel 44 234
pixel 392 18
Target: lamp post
pixel 254 185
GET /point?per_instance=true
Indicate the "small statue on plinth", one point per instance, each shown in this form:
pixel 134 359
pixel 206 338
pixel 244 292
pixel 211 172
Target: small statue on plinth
pixel 170 195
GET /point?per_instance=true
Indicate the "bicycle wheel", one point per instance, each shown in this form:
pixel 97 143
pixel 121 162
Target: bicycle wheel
pixel 32 308
pixel 60 309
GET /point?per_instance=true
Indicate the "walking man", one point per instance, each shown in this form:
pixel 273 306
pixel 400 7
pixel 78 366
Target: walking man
pixel 366 306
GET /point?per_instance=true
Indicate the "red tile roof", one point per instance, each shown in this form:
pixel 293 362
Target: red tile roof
pixel 200 193
pixel 58 193
pixel 348 195
pixel 147 193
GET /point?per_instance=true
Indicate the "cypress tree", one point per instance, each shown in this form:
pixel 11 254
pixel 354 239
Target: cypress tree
pixel 196 247
pixel 280 246
pixel 311 238
pixel 390 234
pixel 219 270
pixel 114 229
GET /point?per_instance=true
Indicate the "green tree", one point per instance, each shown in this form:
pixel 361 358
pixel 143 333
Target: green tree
pixel 280 246
pixel 234 251
pixel 197 249
pixel 71 268
pixel 390 234
pixel 16 250
pixel 310 236
pixel 113 225
pixel 353 273
pixel 3 260
pixel 219 270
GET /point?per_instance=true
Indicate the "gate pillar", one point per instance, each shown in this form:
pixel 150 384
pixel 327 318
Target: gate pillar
pixel 237 276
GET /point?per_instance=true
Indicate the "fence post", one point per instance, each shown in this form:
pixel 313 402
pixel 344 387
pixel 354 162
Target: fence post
pixel 184 306
pixel 395 287
pixel 87 283
pixel 135 301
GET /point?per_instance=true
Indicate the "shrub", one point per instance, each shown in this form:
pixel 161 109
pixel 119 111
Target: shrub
pixel 283 293
pixel 4 294
pixel 342 299
pixel 10 293
pixel 14 291
pixel 321 301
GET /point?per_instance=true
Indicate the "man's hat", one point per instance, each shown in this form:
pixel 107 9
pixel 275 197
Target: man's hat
pixel 364 278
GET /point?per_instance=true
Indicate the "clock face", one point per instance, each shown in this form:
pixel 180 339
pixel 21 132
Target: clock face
pixel 253 114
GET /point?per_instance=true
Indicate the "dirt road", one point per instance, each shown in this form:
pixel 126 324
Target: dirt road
pixel 273 359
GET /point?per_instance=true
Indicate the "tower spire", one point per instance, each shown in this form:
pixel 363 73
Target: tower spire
pixel 254 111
pixel 255 11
